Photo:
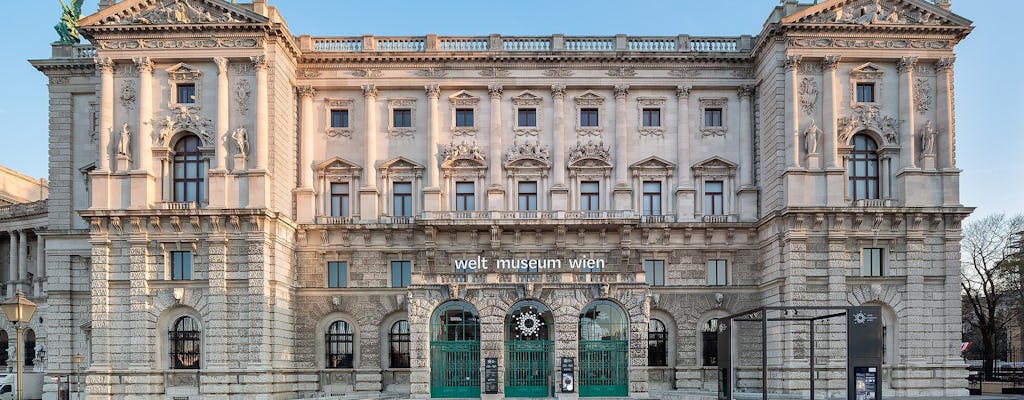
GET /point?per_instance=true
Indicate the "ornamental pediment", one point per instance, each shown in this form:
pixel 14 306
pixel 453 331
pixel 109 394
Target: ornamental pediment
pixel 877 12
pixel 172 12
pixel 400 163
pixel 653 163
pixel 337 164
pixel 714 167
pixel 184 72
pixel 867 71
pixel 527 98
pixel 464 98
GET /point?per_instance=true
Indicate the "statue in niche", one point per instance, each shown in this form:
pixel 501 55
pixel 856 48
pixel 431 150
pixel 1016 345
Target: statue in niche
pixel 812 136
pixel 928 139
pixel 124 144
pixel 241 137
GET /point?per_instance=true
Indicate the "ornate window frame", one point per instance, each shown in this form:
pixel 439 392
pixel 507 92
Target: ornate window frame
pixel 715 169
pixel 183 73
pixel 163 152
pixel 402 103
pixel 643 103
pixel 590 161
pixel 463 162
pixel 338 104
pixel 166 323
pixel 527 100
pixel 714 103
pixel 401 169
pixel 527 161
pixel 653 168
pixel 589 99
pixel 866 73
pixel 336 170
pixel 464 100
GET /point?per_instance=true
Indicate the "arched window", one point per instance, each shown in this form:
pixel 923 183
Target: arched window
pixel 339 345
pixel 184 343
pixel 30 347
pixel 189 171
pixel 709 343
pixel 398 339
pixel 4 342
pixel 657 344
pixel 863 168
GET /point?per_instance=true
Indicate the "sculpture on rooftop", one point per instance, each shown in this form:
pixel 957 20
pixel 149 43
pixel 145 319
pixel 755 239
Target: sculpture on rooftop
pixel 67 28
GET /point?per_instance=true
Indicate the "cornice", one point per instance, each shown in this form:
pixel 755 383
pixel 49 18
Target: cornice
pixel 779 31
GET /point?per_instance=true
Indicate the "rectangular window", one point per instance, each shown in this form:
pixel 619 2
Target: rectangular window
pixel 527 117
pixel 590 196
pixel 655 270
pixel 339 118
pixel 181 265
pixel 652 117
pixel 866 92
pixel 528 196
pixel 186 93
pixel 337 274
pixel 402 199
pixel 464 117
pixel 401 273
pixel 714 198
pixel 339 200
pixel 871 262
pixel 717 273
pixel 713 117
pixel 588 117
pixel 403 118
pixel 652 198
pixel 465 196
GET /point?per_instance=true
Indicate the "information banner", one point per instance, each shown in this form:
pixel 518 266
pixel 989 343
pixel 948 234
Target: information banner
pixel 865 382
pixel 568 379
pixel 491 375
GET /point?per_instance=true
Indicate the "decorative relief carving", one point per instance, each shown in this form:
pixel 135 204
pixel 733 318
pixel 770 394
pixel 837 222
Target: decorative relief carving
pixel 59 80
pixel 104 65
pixel 204 43
pixel 746 91
pixel 432 91
pixel 621 91
pixel 922 95
pixel 184 119
pixel 744 73
pixel 621 72
pixel 242 91
pixel 810 68
pixel 495 72
pixel 924 70
pixel 684 73
pixel 866 116
pixel 874 12
pixel 369 90
pixel 830 63
pixel 792 62
pixel 558 73
pixel 906 64
pixel 432 72
pixel 174 12
pixel 307 73
pixel 590 150
pixel 527 150
pixel 184 72
pixel 808 95
pixel 558 91
pixel 259 62
pixel 367 73
pixel 244 68
pixel 494 90
pixel 683 91
pixel 463 151
pixel 871 43
pixel 128 94
pixel 944 63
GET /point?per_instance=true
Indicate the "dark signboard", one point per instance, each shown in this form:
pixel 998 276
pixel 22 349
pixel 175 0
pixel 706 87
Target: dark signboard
pixel 864 352
pixel 568 379
pixel 491 375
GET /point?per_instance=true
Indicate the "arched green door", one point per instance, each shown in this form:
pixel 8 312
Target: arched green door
pixel 604 350
pixel 455 351
pixel 528 350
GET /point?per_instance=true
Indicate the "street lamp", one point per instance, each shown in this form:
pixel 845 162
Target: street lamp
pixel 19 311
pixel 78 359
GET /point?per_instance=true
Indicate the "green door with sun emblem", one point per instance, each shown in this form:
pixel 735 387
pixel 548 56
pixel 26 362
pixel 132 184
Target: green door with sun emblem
pixel 455 351
pixel 603 351
pixel 528 345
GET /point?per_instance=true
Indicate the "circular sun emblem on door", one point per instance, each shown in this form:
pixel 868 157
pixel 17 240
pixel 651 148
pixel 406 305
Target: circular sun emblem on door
pixel 529 323
pixel 860 318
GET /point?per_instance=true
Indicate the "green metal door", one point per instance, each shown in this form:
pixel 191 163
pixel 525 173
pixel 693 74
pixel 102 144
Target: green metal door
pixel 527 368
pixel 455 351
pixel 603 350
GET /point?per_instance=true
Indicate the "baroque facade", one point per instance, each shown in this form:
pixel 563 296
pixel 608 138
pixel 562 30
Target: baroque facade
pixel 247 212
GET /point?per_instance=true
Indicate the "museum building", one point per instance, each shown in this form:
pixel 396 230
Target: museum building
pixel 239 211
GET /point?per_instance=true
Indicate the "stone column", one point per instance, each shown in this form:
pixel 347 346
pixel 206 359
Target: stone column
pixel 745 92
pixel 22 258
pixel 106 68
pixel 262 153
pixel 829 104
pixel 12 267
pixel 145 136
pixel 368 193
pixel 305 194
pixel 944 127
pixel 220 160
pixel 907 139
pixel 432 193
pixel 622 197
pixel 684 186
pixel 792 124
pixel 496 191
pixel 39 288
pixel 559 190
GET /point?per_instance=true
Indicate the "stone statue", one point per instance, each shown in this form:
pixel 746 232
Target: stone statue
pixel 476 152
pixel 168 128
pixel 812 136
pixel 124 144
pixel 241 137
pixel 12 353
pixel 67 28
pixel 928 139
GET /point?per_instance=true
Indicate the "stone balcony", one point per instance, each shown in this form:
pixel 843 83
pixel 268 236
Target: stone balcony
pixel 513 44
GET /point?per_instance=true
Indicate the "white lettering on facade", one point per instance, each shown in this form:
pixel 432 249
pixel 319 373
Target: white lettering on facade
pixel 526 265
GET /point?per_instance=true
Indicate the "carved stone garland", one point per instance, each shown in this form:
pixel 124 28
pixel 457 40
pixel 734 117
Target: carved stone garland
pixel 867 116
pixel 808 95
pixel 590 150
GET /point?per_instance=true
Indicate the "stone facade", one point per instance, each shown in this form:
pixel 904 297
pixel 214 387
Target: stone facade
pixel 325 167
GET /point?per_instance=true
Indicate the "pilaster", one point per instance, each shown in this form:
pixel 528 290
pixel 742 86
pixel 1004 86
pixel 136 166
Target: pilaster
pixel 432 193
pixel 305 195
pixel 368 193
pixel 495 191
pixel 684 191
pixel 623 194
pixel 559 190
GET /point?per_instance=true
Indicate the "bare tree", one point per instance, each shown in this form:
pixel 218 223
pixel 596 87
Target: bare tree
pixel 991 279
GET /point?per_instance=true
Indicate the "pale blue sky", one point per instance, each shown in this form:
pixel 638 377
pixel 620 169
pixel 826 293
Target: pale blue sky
pixel 989 112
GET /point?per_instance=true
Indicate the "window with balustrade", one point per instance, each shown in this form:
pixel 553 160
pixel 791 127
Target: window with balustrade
pixel 715 178
pixel 651 198
pixel 340 203
pixel 862 168
pixel 403 177
pixel 189 166
pixel 527 192
pixel 401 199
pixel 590 195
pixel 714 198
pixel 337 178
pixel 465 196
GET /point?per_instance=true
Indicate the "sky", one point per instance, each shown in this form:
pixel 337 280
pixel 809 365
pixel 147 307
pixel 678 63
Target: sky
pixel 989 105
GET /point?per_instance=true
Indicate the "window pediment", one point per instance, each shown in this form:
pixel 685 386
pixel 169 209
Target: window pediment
pixel 338 167
pixel 867 71
pixel 184 72
pixel 714 167
pixel 653 166
pixel 401 167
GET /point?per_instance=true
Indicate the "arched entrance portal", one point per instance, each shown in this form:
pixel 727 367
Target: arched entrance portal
pixel 528 347
pixel 455 351
pixel 604 350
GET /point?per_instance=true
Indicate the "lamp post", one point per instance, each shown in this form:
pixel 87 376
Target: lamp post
pixel 78 359
pixel 19 311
